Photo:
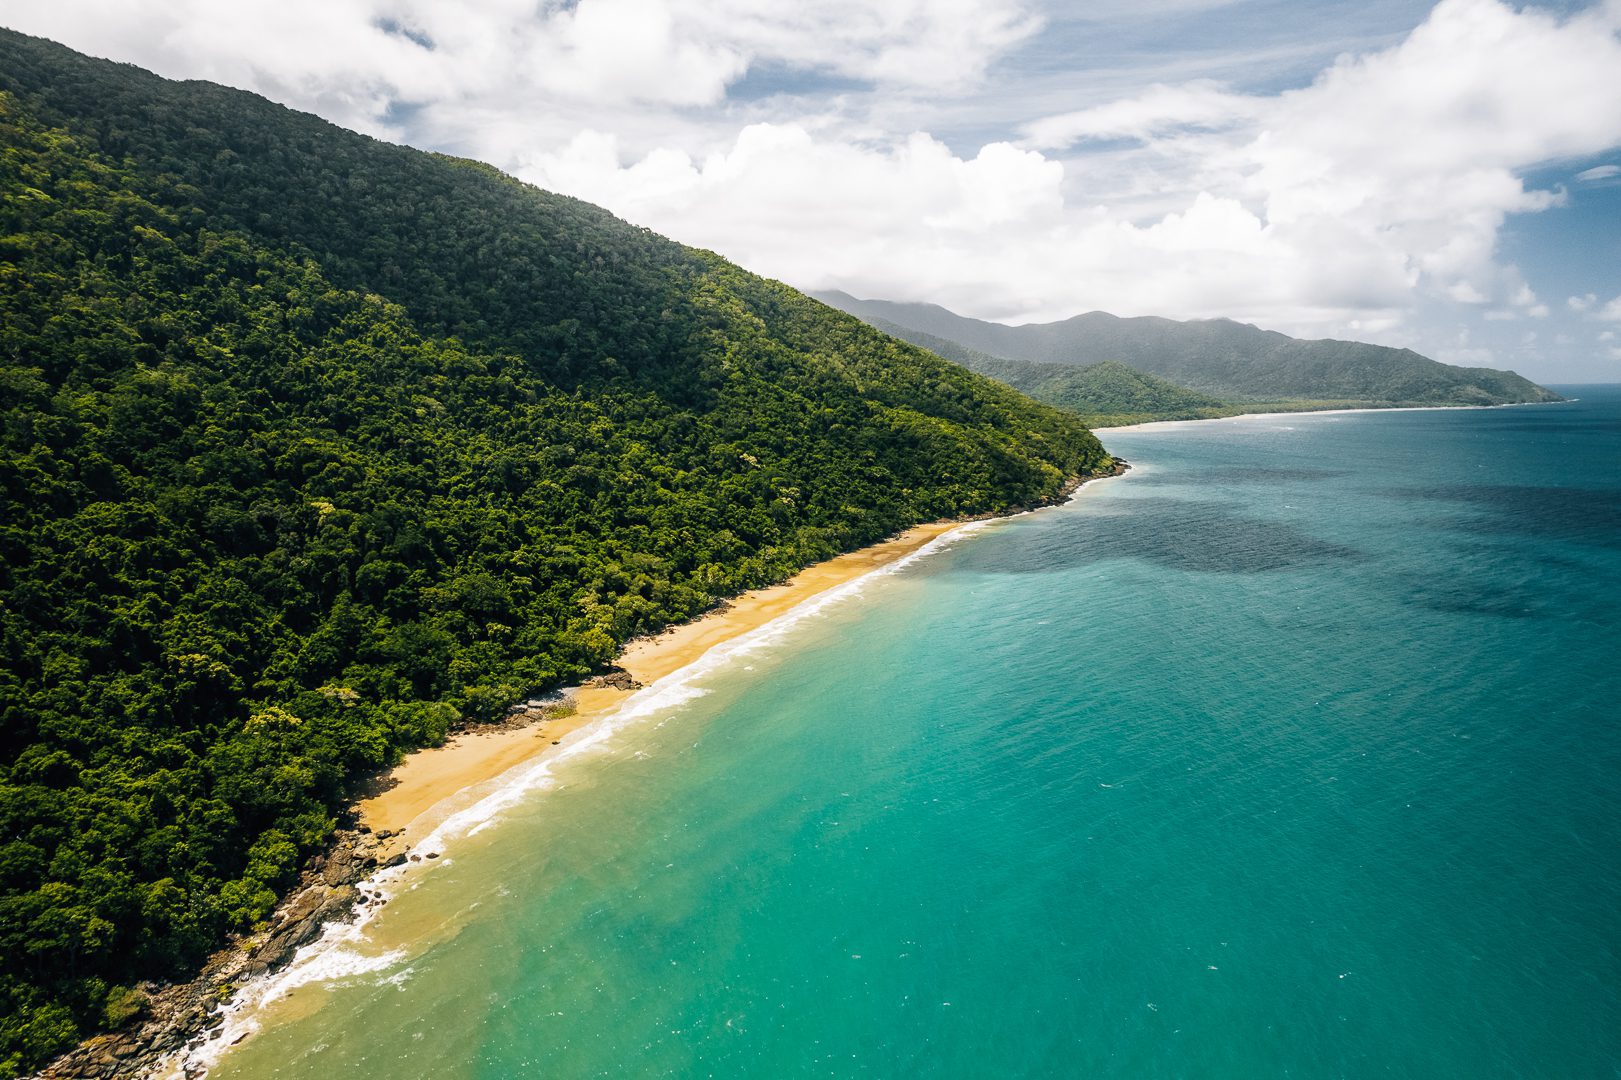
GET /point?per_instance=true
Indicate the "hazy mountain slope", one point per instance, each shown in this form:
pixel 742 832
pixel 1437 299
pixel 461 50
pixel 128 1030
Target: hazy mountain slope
pixel 1228 360
pixel 1106 392
pixel 312 446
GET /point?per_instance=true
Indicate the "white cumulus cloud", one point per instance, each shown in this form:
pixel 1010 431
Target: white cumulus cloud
pixel 766 131
pixel 351 59
pixel 1335 206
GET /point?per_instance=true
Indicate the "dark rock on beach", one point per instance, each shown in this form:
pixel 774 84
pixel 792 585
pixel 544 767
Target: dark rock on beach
pixel 174 1017
pixel 616 678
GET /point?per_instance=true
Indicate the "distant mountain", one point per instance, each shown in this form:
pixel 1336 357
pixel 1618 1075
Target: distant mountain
pixel 1104 393
pixel 1229 360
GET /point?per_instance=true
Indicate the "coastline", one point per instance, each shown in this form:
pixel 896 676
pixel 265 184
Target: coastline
pixel 443 792
pixel 624 821
pixel 431 785
pixel 1153 425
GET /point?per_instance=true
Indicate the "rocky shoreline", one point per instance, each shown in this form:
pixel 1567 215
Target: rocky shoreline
pixel 1120 467
pixel 180 1017
pixel 177 1018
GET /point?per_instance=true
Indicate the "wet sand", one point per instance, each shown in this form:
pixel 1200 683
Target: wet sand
pixel 431 785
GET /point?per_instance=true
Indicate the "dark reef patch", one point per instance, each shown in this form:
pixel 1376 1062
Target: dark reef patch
pixel 1192 535
pixel 1468 595
pixel 1267 474
pixel 1595 425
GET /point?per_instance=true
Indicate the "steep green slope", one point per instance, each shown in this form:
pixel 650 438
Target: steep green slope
pixel 1229 360
pixel 1101 394
pixel 311 447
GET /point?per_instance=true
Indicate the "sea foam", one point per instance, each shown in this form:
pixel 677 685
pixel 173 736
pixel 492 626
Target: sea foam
pixel 339 954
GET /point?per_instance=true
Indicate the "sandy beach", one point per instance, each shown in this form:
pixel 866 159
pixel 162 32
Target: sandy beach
pixel 400 822
pixel 431 785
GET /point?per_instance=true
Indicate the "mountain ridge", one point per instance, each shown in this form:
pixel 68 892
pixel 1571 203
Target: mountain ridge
pixel 1236 362
pixel 1105 393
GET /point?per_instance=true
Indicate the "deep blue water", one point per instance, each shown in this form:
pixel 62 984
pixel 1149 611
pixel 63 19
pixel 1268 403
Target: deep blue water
pixel 1295 753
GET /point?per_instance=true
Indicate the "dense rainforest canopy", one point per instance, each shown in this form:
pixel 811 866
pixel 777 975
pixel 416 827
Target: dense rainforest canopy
pixel 312 447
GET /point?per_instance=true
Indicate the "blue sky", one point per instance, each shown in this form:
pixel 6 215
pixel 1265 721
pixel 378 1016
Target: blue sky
pixel 1445 177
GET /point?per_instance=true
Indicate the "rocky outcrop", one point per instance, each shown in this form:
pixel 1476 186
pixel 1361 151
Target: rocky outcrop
pixel 175 1017
pixel 1118 466
pixel 614 678
pixel 534 711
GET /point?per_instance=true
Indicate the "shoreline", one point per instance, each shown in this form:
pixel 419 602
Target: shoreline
pixel 1148 425
pixel 431 795
pixel 431 785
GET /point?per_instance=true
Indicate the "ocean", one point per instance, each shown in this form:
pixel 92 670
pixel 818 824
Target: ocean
pixel 1296 752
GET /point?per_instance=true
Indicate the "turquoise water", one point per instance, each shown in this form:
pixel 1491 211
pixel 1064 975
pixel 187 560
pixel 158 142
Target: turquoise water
pixel 1295 753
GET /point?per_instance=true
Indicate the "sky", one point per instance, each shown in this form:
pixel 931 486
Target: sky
pixel 1444 177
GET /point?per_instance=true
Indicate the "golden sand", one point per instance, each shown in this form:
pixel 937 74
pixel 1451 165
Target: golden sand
pixel 432 784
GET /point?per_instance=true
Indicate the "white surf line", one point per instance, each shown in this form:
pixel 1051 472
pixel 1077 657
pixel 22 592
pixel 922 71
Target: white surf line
pixel 333 956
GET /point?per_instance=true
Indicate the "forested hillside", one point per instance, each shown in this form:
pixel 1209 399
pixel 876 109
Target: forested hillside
pixel 1101 394
pixel 312 447
pixel 1232 361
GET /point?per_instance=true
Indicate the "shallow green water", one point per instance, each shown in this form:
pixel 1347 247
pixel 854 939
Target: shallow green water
pixel 1294 753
